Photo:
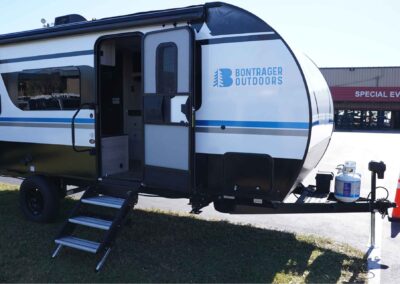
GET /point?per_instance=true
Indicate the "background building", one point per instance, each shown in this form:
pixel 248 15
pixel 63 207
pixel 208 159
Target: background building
pixel 365 98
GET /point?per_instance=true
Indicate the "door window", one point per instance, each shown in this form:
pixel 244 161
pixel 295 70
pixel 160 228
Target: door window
pixel 167 68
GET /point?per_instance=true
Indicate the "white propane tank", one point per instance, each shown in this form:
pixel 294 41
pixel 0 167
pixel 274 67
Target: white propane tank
pixel 347 183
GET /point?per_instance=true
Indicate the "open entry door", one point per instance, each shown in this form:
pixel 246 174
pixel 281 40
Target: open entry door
pixel 168 111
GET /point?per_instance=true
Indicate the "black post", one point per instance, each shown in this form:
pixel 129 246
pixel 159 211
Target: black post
pixel 373 186
pixel 372 201
pixel 377 169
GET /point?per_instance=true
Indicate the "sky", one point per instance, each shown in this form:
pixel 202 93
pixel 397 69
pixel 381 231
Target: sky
pixel 333 33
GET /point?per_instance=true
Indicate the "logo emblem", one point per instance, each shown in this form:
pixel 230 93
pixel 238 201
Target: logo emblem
pixel 223 78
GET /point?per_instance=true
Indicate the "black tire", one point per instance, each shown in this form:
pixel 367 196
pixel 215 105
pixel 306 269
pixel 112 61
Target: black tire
pixel 39 199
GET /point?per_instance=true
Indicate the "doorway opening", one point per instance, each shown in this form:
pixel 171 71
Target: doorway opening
pixel 120 107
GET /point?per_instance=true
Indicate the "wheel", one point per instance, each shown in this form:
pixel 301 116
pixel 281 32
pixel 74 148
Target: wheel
pixel 39 199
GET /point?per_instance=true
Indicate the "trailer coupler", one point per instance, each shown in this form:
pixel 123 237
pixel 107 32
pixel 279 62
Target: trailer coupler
pixel 382 206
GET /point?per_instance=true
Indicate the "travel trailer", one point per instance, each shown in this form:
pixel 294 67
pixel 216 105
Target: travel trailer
pixel 206 102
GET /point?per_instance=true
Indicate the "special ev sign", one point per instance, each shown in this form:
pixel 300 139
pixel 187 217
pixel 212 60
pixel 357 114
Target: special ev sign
pixel 366 94
pixel 256 76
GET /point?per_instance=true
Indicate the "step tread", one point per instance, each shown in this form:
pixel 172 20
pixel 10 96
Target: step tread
pixel 77 243
pixel 91 222
pixel 104 200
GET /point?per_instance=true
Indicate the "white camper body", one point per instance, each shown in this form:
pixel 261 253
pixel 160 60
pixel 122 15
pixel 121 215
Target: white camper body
pixel 206 102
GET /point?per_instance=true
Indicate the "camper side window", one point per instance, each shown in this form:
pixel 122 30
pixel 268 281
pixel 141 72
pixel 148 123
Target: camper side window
pixel 45 89
pixel 167 68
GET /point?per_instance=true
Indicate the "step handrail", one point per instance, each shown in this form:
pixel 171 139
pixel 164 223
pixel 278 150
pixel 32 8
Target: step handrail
pixel 91 106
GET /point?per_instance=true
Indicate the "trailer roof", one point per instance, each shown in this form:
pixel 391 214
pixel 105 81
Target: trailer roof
pixel 191 13
pixel 221 19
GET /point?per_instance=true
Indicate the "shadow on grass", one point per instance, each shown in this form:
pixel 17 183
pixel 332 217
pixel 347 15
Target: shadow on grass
pixel 159 247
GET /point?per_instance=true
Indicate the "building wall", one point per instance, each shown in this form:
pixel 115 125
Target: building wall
pixel 366 97
pixel 362 77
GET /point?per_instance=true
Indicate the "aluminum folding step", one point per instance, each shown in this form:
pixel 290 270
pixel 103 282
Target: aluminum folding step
pixel 77 243
pixel 91 222
pixel 106 201
pixel 110 227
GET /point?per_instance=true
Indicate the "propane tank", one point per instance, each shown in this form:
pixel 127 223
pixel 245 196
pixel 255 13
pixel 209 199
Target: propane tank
pixel 347 183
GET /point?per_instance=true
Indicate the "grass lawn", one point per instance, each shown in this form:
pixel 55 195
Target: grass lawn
pixel 163 247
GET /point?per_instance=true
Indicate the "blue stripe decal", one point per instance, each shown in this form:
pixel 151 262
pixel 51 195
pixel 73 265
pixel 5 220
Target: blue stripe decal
pixel 47 120
pixel 48 56
pixel 253 124
pixel 236 39
pixel 348 195
pixel 216 123
pixel 320 122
